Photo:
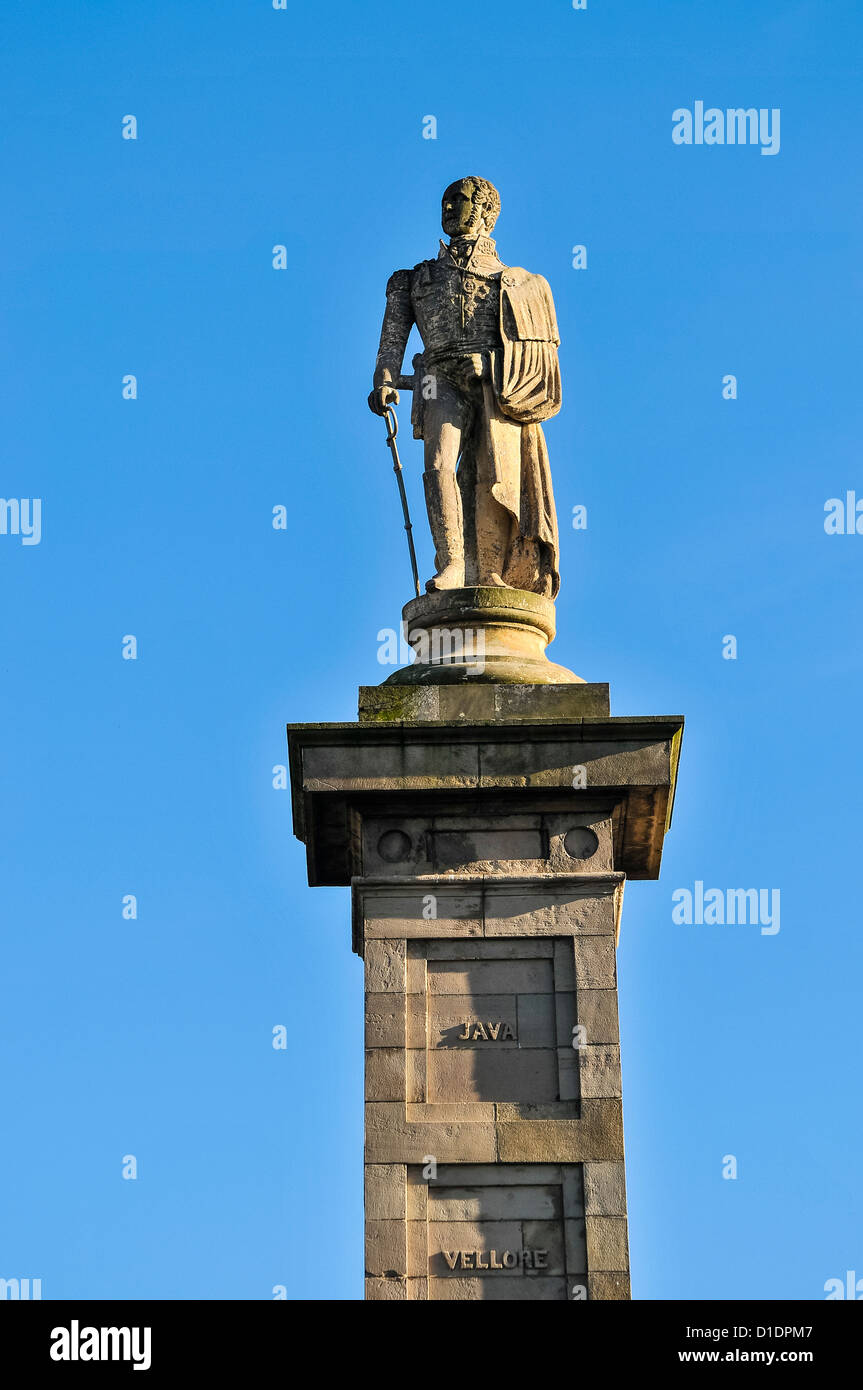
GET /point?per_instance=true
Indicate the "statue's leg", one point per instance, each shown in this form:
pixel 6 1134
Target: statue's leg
pixel 494 523
pixel 443 424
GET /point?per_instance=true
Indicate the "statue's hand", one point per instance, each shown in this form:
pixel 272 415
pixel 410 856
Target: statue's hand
pixel 383 392
pixel 382 396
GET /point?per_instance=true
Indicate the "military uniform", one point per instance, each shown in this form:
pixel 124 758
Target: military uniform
pixel 489 375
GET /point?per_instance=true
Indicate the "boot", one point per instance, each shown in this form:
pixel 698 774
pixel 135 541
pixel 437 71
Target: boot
pixel 443 501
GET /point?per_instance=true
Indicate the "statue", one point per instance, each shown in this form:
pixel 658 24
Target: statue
pixel 487 377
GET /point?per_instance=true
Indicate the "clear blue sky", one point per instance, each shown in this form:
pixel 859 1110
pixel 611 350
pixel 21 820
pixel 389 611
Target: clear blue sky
pixel 705 518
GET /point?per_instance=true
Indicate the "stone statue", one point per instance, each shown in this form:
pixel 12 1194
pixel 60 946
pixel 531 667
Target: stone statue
pixel 488 375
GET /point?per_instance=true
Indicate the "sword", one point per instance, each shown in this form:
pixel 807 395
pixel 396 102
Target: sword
pixel 392 425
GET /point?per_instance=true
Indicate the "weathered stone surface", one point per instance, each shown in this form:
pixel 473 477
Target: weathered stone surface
pixel 479 634
pixel 537 1201
pixel 491 950
pixel 599 1071
pixel 492 1175
pixel 490 977
pixel 604 1189
pixel 387 1290
pixel 569 1074
pixel 472 1236
pixel 385 1191
pixel 390 1139
pixel 433 909
pixel 595 962
pixel 588 908
pixel 608 1287
pixel 385 1020
pixel 386 1249
pixel 385 966
pixel 536 1021
pixel 385 1073
pixel 596 1011
pixel 447 1015
pixel 607 1247
pixel 452 1112
pixel 597 1135
pixel 488 1075
pixel 529 1290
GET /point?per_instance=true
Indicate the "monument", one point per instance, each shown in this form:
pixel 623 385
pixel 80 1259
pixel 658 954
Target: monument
pixel 486 811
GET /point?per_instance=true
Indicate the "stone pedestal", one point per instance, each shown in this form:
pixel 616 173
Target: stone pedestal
pixel 486 831
pixel 480 635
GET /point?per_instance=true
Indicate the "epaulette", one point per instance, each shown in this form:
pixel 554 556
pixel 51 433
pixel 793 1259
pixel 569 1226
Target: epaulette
pixel 399 282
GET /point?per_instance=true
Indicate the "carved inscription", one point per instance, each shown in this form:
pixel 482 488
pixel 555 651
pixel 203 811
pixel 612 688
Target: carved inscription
pixel 475 1031
pixel 496 1259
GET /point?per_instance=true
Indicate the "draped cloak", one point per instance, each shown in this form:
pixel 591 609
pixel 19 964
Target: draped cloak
pixel 523 391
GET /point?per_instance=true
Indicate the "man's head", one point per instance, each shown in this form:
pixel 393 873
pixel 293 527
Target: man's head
pixel 469 207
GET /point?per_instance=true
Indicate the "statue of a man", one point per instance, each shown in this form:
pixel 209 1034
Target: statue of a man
pixel 488 375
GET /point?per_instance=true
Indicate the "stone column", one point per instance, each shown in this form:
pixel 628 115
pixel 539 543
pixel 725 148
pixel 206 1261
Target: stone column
pixel 486 831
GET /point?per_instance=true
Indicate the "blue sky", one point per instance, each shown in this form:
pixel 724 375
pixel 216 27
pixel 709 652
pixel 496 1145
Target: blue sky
pixel 153 777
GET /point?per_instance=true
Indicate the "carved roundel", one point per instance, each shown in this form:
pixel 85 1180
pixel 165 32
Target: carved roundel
pixel 580 842
pixel 394 845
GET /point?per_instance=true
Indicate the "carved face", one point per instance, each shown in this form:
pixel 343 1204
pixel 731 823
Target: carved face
pixel 462 210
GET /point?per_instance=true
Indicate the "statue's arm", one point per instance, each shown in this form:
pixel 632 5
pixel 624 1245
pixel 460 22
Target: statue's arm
pixel 395 331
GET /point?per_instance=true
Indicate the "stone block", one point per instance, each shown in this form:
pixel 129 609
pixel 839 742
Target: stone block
pixel 599 1071
pixel 386 1290
pixel 415 1076
pixel 490 977
pixel 595 963
pixel 490 950
pixel 385 1191
pixel 449 1015
pixel 416 1026
pixel 385 1073
pixel 401 765
pixel 564 1011
pixel 569 1074
pixel 547 1236
pixel 489 1075
pixel 597 1135
pixel 429 910
pixel 385 966
pixel 564 963
pixel 607 1246
pixel 417 1202
pixel 502 1202
pixel 385 1020
pixel 543 910
pixel 576 1246
pixel 530 1289
pixel 494 1174
pixel 391 1139
pixel 608 1288
pixel 604 1189
pixel 386 1250
pixel 536 1020
pixel 597 1014
pixel 451 1113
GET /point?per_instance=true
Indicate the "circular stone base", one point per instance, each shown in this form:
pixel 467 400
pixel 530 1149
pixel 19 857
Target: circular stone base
pixel 481 634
